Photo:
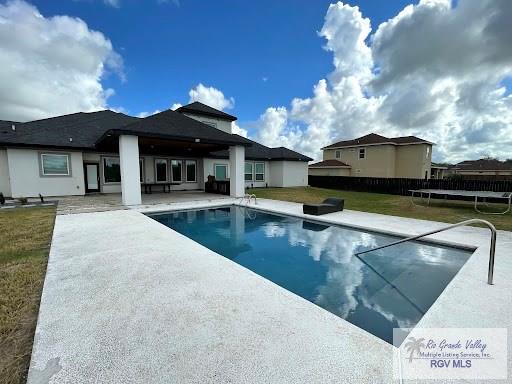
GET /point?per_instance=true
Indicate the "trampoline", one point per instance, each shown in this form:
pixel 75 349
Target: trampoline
pixel 507 196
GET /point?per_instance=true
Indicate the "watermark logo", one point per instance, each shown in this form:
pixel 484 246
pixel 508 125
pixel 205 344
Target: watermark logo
pixel 414 345
pixel 451 353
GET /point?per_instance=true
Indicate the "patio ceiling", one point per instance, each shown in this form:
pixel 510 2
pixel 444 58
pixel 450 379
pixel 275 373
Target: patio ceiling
pixel 164 146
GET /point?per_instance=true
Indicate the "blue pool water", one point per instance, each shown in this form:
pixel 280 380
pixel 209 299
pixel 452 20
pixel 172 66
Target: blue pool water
pixel 377 291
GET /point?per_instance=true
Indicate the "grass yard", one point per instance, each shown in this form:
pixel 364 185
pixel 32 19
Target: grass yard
pixel 24 246
pixel 448 211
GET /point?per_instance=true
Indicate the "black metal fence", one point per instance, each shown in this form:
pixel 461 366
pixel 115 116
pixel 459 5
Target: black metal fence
pixel 402 186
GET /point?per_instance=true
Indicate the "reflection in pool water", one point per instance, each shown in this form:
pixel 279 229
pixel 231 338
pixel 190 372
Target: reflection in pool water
pixel 377 291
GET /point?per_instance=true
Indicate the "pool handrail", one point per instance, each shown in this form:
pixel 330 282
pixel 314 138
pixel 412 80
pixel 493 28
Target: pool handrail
pixel 248 197
pixel 492 251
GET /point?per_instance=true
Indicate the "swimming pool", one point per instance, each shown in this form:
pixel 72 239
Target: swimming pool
pixel 377 291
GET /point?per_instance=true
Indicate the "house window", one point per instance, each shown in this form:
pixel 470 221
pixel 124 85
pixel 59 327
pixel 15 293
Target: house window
pixel 111 170
pixel 248 171
pixel 362 153
pixel 176 170
pixel 428 151
pixel 55 164
pixel 259 171
pixel 337 154
pixel 210 123
pixel 190 167
pixel 221 171
pixel 141 170
pixel 161 170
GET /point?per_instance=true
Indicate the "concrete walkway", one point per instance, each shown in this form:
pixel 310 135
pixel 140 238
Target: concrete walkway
pixel 112 201
pixel 128 300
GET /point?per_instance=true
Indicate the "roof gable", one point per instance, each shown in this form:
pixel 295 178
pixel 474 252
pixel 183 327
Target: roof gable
pixel 172 125
pixel 202 109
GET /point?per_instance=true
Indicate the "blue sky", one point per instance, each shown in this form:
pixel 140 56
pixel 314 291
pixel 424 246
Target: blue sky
pixel 302 73
pixel 230 45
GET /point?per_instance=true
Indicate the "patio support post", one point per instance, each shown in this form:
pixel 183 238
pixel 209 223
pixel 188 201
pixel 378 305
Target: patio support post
pixel 130 173
pixel 236 177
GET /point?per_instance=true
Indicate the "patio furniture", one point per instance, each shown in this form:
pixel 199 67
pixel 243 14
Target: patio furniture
pixel 329 205
pixel 220 187
pixel 148 187
pixel 507 196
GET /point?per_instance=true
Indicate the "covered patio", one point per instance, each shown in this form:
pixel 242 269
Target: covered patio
pixel 164 136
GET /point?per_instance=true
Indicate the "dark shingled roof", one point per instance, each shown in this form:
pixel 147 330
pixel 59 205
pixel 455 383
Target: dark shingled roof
pixel 258 151
pixel 329 163
pixel 77 130
pixel 484 165
pixel 7 124
pixel 373 138
pixel 6 131
pixel 175 126
pixel 203 109
pixel 87 130
pixel 282 153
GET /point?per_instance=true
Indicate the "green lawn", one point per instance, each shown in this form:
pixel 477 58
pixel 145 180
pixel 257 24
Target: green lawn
pixel 24 246
pixel 439 210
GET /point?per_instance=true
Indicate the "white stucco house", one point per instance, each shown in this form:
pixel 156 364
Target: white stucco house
pixel 110 152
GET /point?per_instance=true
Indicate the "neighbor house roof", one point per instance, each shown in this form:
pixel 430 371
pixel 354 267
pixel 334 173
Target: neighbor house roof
pixel 202 109
pixel 175 126
pixel 484 165
pixel 440 165
pixel 330 164
pixel 375 139
pixel 258 151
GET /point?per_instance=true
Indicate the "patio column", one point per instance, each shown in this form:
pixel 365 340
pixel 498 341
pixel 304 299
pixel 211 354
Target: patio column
pixel 236 173
pixel 130 173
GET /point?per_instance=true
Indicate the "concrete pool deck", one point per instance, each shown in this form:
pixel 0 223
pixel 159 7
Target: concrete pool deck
pixel 127 299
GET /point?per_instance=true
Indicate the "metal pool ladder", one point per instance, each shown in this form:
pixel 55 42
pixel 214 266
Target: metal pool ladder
pixel 490 272
pixel 247 197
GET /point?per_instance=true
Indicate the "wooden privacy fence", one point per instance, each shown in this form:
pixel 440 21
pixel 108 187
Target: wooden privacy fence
pixel 402 186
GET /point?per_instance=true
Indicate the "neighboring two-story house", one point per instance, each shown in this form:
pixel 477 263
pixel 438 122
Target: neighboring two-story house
pixel 374 155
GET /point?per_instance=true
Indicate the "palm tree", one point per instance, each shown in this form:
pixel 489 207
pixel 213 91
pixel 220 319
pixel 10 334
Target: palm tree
pixel 414 345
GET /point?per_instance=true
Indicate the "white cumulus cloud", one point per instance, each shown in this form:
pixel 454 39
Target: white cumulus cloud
pixel 146 114
pixel 51 65
pixel 434 70
pixel 211 96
